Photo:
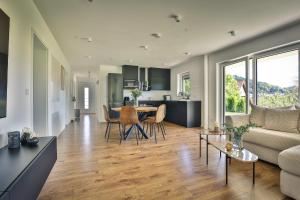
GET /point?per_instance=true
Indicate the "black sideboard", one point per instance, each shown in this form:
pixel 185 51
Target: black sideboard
pixel 184 113
pixel 24 171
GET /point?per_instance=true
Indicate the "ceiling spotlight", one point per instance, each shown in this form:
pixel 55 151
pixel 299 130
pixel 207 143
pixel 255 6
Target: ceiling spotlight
pixel 156 35
pixel 232 33
pixel 130 61
pixel 89 39
pixel 187 53
pixel 89 57
pixel 176 17
pixel 90 1
pixel 145 47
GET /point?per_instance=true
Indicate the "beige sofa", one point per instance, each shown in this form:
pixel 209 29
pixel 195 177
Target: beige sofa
pixel 275 140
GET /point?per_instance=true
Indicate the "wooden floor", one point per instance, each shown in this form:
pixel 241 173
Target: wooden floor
pixel 89 168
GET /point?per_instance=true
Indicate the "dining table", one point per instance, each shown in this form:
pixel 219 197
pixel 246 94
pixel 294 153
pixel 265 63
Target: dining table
pixel 142 111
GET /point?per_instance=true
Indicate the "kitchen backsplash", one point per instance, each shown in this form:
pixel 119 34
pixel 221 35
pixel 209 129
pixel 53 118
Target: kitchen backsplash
pixel 149 95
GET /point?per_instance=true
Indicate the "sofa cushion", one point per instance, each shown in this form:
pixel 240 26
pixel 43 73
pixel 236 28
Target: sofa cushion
pixel 276 140
pixel 282 120
pixel 257 115
pixel 289 160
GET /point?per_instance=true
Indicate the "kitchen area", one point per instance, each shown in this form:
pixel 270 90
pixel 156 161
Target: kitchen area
pixel 154 86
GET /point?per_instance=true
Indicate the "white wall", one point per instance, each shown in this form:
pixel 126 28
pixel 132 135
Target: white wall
pixel 24 19
pixel 195 66
pixel 277 38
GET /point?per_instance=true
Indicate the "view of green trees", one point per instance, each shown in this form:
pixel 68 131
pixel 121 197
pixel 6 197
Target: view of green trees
pixel 187 86
pixel 234 102
pixel 268 95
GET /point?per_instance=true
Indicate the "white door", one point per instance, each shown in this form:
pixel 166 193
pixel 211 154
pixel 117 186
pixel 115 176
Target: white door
pixel 40 86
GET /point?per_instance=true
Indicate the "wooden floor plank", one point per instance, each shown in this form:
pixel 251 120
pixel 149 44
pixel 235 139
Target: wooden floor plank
pixel 90 168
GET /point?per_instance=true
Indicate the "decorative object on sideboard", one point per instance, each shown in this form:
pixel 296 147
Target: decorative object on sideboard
pixel 29 137
pixel 135 94
pixel 237 133
pixel 13 140
pixel 216 127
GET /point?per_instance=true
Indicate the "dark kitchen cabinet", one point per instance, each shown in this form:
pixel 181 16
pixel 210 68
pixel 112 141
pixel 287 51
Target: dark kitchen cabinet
pixel 159 79
pixel 130 76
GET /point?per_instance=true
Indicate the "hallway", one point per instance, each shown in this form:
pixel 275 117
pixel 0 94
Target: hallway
pixel 89 168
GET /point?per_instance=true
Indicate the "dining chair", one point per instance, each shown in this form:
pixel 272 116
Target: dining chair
pixel 157 121
pixel 129 116
pixel 109 122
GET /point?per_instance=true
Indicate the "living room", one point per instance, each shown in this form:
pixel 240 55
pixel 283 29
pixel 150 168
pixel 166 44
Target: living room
pixel 149 99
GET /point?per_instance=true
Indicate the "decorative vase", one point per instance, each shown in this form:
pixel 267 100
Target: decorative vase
pixel 135 102
pixel 237 141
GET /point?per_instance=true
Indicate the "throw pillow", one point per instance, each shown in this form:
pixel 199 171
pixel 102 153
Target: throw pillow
pixel 257 115
pixel 282 120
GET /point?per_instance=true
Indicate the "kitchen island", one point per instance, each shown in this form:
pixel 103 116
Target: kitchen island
pixel 184 113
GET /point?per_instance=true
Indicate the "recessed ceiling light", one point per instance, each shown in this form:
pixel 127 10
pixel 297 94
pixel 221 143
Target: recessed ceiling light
pixel 187 53
pixel 232 33
pixel 156 35
pixel 89 39
pixel 176 17
pixel 89 57
pixel 145 47
pixel 130 61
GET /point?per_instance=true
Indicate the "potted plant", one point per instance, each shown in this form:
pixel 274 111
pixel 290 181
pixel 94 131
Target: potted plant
pixel 237 133
pixel 135 94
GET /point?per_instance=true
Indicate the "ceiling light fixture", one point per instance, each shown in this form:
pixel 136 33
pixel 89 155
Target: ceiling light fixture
pixel 176 17
pixel 145 47
pixel 89 39
pixel 232 33
pixel 89 57
pixel 156 35
pixel 187 53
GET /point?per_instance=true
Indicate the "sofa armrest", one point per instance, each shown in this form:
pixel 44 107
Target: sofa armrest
pixel 237 120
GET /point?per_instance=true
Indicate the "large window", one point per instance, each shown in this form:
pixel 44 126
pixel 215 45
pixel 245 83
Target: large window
pixel 235 84
pixel 86 98
pixel 269 79
pixel 277 80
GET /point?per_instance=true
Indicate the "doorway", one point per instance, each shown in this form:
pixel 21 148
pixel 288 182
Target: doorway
pixel 40 87
pixel 86 97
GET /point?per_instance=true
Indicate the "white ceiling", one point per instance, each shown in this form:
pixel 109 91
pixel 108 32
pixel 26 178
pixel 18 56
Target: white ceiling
pixel 119 27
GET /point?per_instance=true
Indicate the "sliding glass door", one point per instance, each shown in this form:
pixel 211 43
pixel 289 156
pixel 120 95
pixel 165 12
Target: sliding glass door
pixel 235 87
pixel 277 79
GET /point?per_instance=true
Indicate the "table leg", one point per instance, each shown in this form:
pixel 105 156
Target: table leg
pixel 226 168
pixel 206 149
pixel 128 132
pixel 253 173
pixel 200 138
pixel 142 131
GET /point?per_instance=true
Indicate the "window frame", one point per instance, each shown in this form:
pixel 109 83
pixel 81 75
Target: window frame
pixel 180 78
pixel 255 57
pixel 274 52
pixel 223 66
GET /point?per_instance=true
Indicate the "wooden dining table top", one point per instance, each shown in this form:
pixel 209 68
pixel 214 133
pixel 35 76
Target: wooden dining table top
pixel 138 109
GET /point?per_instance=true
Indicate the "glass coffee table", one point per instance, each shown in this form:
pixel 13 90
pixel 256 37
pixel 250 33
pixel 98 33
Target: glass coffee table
pixel 243 155
pixel 240 155
pixel 204 134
